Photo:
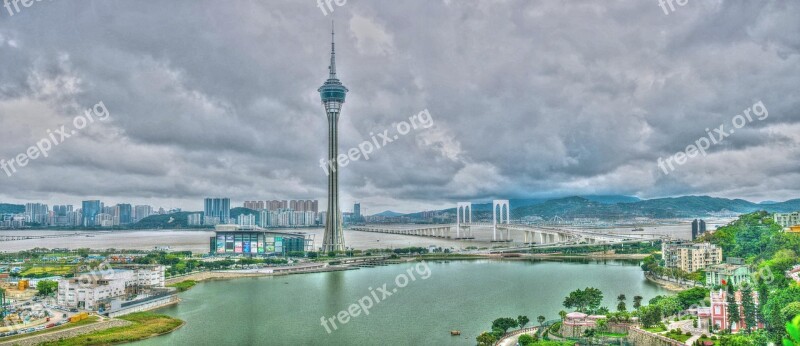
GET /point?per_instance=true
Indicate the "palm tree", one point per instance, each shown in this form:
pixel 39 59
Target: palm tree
pixel 522 320
pixel 637 302
pixel 621 305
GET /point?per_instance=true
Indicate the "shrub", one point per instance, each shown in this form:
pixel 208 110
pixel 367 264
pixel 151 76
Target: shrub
pixel 687 334
pixel 713 337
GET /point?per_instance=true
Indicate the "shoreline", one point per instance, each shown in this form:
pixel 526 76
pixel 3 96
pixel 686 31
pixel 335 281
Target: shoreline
pixel 670 286
pixel 321 268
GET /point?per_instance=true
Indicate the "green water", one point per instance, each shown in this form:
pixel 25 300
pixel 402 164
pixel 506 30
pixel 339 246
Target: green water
pixel 460 295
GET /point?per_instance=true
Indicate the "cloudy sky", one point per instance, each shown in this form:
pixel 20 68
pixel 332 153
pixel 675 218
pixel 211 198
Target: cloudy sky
pixel 528 99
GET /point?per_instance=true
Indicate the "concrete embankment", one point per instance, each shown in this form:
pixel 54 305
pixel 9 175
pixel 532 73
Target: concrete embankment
pixel 669 284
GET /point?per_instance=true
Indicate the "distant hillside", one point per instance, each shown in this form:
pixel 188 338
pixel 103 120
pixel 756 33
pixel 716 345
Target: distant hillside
pixel 612 199
pixel 388 213
pixel 235 212
pixel 618 206
pixel 685 206
pixel 11 208
pixel 174 220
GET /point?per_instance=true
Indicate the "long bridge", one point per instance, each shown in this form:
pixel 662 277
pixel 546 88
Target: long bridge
pixel 501 229
pixel 45 236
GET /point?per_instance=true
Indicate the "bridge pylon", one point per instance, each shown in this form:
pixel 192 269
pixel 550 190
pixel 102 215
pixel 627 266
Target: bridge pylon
pixel 463 215
pixel 499 209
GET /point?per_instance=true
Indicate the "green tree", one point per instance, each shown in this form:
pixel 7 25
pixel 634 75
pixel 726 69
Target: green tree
pixel 637 302
pixel 791 310
pixel 749 307
pixel 793 331
pixel 504 323
pixel 541 320
pixel 525 340
pixel 46 287
pixel 772 309
pixel 562 314
pixel 650 315
pixel 522 321
pixel 621 303
pixel 486 339
pixel 733 308
pixel 692 296
pixel 586 300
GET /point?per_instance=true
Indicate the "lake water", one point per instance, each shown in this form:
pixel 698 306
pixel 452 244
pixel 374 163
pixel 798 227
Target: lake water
pixel 457 295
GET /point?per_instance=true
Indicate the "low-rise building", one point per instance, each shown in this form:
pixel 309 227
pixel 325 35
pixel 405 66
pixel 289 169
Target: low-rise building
pixel 794 273
pixel 787 220
pixel 90 290
pixel 733 272
pixel 575 323
pixel 690 257
pixel 719 311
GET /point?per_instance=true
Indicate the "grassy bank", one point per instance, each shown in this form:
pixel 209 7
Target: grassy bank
pixel 183 285
pixel 145 325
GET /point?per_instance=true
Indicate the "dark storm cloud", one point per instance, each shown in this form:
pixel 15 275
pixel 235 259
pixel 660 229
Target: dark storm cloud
pixel 528 99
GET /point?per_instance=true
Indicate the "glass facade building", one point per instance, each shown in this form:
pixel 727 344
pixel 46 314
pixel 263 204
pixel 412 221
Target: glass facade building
pixel 258 243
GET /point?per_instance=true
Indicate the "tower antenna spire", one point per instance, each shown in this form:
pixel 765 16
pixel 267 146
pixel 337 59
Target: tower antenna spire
pixel 332 67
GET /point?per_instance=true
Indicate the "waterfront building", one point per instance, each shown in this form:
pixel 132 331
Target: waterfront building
pixel 141 211
pixel 787 220
pixel 698 228
pixel 194 219
pixel 357 212
pixel 210 220
pixel 37 213
pixel 719 310
pixel 253 241
pixel 219 208
pixel 124 213
pixel 90 290
pixel 104 220
pixel 732 272
pixel 333 93
pixel 255 205
pixel 690 257
pixel 89 210
pixel 246 220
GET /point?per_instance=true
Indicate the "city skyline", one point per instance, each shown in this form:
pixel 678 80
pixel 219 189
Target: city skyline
pixel 574 114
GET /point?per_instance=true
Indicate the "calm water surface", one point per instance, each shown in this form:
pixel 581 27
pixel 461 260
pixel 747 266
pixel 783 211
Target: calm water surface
pixel 461 295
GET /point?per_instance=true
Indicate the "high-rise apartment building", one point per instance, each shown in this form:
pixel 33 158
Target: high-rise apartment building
pixel 124 214
pixel 698 228
pixel 141 211
pixel 690 257
pixel 89 210
pixel 218 208
pixel 37 213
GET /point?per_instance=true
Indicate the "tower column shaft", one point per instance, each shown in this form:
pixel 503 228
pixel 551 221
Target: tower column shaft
pixel 333 239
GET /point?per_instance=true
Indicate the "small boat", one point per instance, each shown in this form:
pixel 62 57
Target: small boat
pixel 455 332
